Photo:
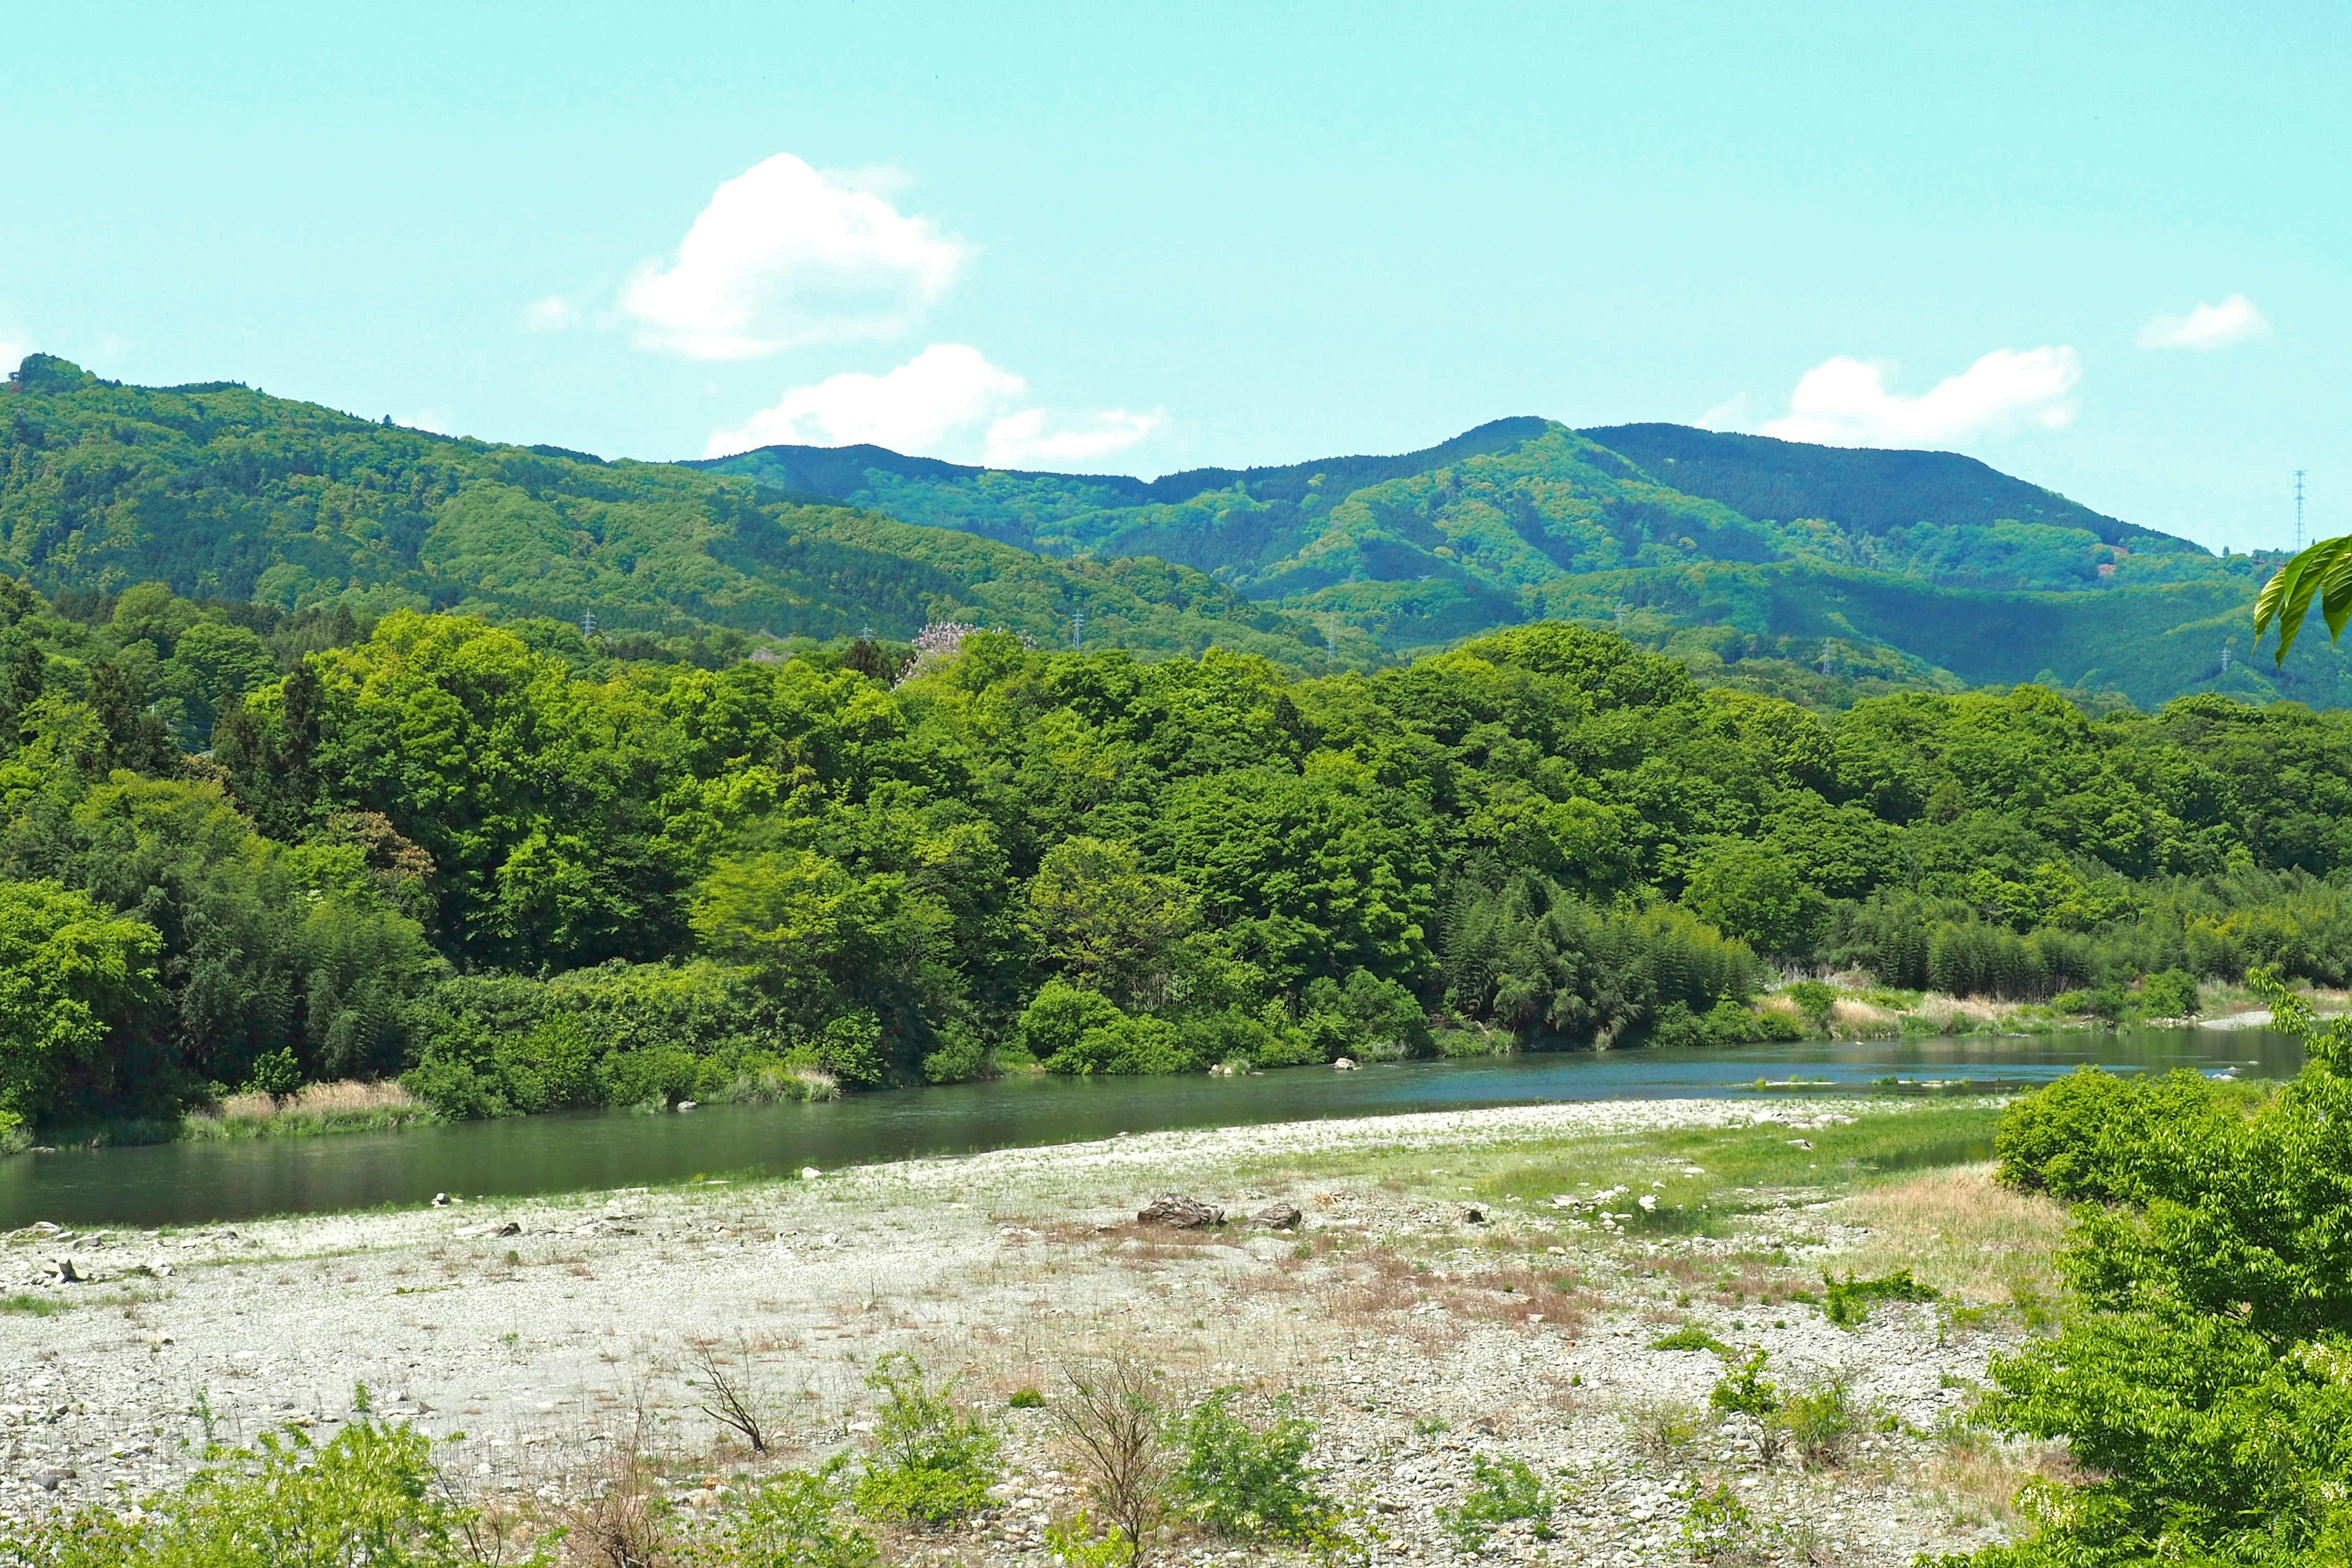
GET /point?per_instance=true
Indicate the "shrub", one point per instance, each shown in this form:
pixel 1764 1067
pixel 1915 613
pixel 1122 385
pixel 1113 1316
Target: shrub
pixel 367 1496
pixel 2168 994
pixel 1503 1491
pixel 1111 1421
pixel 1249 1483
pixel 793 1520
pixel 930 1463
pixel 1690 1337
pixel 1814 998
pixel 1744 1391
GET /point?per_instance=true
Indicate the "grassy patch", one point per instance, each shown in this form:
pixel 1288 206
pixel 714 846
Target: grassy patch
pixel 1699 1180
pixel 25 1304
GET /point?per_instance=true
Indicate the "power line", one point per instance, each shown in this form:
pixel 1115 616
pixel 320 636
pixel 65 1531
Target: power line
pixel 2298 509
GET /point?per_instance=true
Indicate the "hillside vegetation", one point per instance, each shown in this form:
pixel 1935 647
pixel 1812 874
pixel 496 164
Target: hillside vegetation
pixel 219 491
pixel 1914 568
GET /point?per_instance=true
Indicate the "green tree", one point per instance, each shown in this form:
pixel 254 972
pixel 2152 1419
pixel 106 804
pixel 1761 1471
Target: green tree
pixel 70 972
pixel 1105 923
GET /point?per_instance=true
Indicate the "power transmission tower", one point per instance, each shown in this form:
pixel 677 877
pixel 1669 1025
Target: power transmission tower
pixel 1077 628
pixel 2298 509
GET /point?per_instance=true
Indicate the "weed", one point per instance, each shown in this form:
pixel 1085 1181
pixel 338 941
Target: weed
pixel 1663 1428
pixel 929 1465
pixel 1846 1303
pixel 1076 1543
pixel 1506 1491
pixel 1025 1399
pixel 1821 1422
pixel 1691 1337
pixel 33 1306
pixel 368 1496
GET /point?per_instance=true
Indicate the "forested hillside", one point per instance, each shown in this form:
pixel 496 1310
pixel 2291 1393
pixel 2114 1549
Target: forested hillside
pixel 525 867
pixel 221 492
pixel 1920 568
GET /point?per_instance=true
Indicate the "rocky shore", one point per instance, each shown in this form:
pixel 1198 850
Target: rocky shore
pixel 1424 1315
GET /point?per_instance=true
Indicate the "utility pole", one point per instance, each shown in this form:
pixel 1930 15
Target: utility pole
pixel 2298 509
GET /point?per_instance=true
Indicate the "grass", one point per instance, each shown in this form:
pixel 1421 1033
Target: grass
pixel 26 1304
pixel 1738 1170
pixel 349 1106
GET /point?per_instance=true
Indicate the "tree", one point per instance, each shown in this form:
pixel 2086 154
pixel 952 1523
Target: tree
pixel 70 973
pixel 1107 922
pixel 1754 892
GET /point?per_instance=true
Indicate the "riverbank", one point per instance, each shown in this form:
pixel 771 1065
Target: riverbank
pixel 1463 1286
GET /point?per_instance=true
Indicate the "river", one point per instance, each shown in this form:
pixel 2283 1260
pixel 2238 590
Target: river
pixel 200 1183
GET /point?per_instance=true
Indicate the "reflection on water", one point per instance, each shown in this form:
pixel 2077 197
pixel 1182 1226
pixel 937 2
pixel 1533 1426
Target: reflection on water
pixel 180 1184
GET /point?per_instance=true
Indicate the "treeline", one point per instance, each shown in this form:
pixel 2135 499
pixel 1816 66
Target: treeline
pixel 525 867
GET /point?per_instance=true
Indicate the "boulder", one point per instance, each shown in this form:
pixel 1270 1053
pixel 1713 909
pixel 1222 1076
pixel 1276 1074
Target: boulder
pixel 1276 1217
pixel 1344 1064
pixel 1182 1213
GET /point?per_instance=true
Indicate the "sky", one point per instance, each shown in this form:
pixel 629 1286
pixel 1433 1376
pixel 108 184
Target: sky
pixel 2102 248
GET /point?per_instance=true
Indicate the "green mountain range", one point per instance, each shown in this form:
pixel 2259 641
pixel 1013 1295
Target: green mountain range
pixel 1890 566
pixel 1818 573
pixel 223 492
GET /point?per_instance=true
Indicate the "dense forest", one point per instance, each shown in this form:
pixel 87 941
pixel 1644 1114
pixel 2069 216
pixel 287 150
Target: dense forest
pixel 525 867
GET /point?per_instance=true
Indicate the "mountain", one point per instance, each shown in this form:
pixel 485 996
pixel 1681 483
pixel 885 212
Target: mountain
pixel 1737 552
pixel 222 491
pixel 1817 572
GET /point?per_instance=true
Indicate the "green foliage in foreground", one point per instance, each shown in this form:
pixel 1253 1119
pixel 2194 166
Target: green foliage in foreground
pixel 1254 1483
pixel 368 1498
pixel 931 1463
pixel 2204 1372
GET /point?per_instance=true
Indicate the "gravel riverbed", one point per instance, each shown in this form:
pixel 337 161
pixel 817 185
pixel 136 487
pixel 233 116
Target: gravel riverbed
pixel 1422 1331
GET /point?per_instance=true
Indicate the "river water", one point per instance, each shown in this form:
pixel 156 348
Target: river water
pixel 187 1183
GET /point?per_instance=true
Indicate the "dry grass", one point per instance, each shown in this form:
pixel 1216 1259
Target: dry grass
pixel 314 1107
pixel 1961 1232
pixel 1852 1019
pixel 1978 1479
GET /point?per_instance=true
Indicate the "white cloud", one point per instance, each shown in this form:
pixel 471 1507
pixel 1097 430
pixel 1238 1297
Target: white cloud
pixel 2232 321
pixel 432 421
pixel 785 255
pixel 1731 414
pixel 948 395
pixel 11 356
pixel 946 388
pixel 1022 440
pixel 1844 401
pixel 552 314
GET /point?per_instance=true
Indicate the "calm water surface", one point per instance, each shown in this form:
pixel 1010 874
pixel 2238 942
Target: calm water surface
pixel 182 1183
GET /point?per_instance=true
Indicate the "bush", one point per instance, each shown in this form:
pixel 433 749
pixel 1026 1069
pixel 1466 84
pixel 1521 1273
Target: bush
pixel 930 1464
pixel 367 1496
pixel 1249 1483
pixel 1744 1391
pixel 1504 1492
pixel 1814 999
pixel 2168 994
pixel 793 1520
pixel 1690 1337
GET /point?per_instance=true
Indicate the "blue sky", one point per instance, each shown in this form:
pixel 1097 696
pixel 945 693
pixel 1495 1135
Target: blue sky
pixel 2102 248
